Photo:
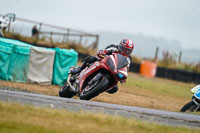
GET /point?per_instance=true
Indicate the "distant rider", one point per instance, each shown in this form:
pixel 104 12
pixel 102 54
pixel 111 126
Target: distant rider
pixel 124 48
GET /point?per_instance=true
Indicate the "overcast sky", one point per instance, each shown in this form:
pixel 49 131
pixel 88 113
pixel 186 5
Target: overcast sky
pixel 171 19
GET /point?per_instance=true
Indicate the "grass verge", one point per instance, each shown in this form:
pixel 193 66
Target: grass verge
pixel 17 118
pixel 138 91
pixel 154 93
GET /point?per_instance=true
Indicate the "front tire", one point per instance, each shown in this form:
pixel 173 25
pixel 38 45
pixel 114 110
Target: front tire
pixel 87 95
pixel 190 107
pixel 65 91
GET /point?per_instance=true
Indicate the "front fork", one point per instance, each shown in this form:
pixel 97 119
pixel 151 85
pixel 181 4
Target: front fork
pixel 73 89
pixel 197 102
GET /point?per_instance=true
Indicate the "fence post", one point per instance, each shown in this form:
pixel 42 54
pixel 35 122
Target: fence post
pixel 180 55
pixel 64 38
pixel 51 39
pixel 9 24
pixel 97 40
pixel 67 35
pixel 40 27
pixel 156 54
pixel 80 39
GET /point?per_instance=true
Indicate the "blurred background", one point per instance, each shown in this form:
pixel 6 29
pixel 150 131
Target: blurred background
pixel 164 31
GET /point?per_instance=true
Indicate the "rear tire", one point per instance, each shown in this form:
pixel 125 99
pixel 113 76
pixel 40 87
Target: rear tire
pixel 65 91
pixel 190 107
pixel 96 90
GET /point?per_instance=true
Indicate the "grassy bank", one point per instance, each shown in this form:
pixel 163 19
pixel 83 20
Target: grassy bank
pixel 137 91
pixel 22 118
pixel 151 93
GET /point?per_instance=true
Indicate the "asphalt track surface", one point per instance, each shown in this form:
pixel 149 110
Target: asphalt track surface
pixel 152 115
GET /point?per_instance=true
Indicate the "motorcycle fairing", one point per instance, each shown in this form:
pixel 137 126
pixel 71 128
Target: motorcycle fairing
pixel 116 64
pixel 122 61
pixel 197 94
pixel 196 91
pixel 88 71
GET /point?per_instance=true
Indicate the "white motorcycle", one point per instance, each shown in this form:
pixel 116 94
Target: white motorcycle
pixel 194 105
pixel 5 21
pixel 3 24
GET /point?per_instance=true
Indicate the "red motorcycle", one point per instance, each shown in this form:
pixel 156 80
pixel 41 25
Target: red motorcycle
pixel 96 78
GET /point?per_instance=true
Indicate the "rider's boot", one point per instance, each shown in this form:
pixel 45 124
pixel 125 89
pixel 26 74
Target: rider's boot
pixel 113 90
pixel 78 69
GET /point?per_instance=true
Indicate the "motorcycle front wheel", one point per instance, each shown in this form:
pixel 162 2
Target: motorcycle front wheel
pixel 189 107
pixel 94 91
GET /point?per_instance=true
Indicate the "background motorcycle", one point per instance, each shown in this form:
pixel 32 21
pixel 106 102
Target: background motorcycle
pixel 96 78
pixel 194 105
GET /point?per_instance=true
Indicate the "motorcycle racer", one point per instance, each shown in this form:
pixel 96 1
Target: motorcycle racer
pixel 124 48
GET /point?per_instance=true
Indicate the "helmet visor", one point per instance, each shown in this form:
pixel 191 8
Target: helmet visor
pixel 126 51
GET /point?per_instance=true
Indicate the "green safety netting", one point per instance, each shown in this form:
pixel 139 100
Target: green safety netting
pixel 14 61
pixel 13 42
pixel 19 61
pixel 5 54
pixel 63 60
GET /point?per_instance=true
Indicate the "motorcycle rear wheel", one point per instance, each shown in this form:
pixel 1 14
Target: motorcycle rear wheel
pixel 189 107
pixel 65 91
pixel 87 95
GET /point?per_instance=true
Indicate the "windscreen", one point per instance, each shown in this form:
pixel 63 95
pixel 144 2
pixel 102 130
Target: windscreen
pixel 110 64
pixel 122 61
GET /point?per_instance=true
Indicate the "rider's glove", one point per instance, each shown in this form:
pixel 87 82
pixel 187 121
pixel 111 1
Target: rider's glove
pixel 102 53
